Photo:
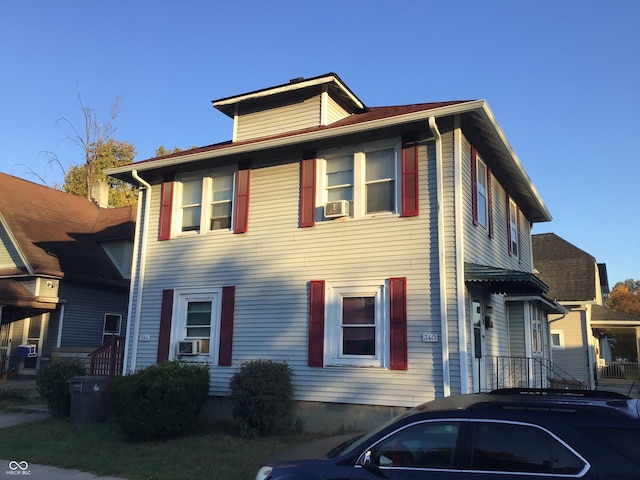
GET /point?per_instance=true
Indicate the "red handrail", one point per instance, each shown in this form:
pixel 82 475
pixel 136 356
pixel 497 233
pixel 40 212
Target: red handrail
pixel 107 360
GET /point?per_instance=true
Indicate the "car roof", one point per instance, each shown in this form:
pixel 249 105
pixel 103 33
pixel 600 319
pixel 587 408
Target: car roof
pixel 593 401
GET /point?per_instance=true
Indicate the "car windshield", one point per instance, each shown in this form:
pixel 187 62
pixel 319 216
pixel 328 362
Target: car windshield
pixel 358 442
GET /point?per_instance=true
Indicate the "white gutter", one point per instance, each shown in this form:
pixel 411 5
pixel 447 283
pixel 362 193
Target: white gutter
pixel 140 244
pixel 442 268
pixel 459 235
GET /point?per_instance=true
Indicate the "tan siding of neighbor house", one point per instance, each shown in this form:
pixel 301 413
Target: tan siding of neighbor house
pixel 574 357
pixel 271 265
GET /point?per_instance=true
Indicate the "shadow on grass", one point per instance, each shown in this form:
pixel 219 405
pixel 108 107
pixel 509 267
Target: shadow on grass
pixel 212 451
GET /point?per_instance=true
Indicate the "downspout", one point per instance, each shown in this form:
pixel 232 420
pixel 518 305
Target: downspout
pixel 137 273
pixel 442 268
pixel 459 236
pixel 60 324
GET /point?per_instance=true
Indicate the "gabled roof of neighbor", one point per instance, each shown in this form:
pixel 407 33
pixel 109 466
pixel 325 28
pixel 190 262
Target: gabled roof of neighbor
pixel 476 115
pixel 57 234
pixel 570 272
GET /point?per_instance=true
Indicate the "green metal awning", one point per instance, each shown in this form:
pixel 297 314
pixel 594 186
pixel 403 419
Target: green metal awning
pixel 504 281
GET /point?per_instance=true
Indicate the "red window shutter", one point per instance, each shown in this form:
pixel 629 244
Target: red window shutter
pixel 242 198
pixel 489 203
pixel 518 233
pixel 474 184
pixel 164 338
pixel 410 204
pixel 308 189
pixel 166 207
pixel 226 326
pixel 398 323
pixel 509 243
pixel 316 323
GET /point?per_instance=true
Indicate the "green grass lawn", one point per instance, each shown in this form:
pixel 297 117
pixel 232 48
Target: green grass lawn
pixel 102 448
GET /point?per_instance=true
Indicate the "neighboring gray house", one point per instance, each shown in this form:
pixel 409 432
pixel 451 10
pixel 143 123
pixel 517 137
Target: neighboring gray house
pixel 581 339
pixel 383 252
pixel 64 274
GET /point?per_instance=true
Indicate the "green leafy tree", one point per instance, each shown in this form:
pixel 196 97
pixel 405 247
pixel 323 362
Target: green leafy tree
pixel 625 297
pixel 161 151
pixel 106 154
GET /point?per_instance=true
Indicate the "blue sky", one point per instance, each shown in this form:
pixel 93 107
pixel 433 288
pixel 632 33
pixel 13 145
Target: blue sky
pixel 561 76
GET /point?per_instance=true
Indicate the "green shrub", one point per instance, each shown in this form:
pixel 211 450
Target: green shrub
pixel 52 383
pixel 161 401
pixel 262 396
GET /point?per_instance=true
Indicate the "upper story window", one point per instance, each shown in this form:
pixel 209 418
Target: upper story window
pixel 513 226
pixel 205 203
pixel 481 183
pixel 364 175
pixel 481 198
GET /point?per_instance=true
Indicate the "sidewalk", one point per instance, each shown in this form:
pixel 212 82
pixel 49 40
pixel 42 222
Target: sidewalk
pixel 24 469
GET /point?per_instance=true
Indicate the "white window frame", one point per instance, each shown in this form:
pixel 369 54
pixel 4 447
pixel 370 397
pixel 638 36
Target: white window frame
pixel 336 291
pixel 482 196
pixel 536 320
pixel 357 205
pixel 179 322
pixel 514 228
pixel 104 326
pixel 206 204
pixel 560 344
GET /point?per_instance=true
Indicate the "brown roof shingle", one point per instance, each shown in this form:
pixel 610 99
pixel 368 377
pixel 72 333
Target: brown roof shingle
pixel 56 231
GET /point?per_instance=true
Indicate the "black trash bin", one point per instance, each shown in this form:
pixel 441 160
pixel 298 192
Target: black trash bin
pixel 87 395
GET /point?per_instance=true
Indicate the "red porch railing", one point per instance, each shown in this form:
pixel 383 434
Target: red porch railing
pixel 107 360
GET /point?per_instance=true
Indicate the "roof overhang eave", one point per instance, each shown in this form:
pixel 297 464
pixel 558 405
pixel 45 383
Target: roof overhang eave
pixel 543 215
pixel 549 305
pixel 296 138
pixel 480 106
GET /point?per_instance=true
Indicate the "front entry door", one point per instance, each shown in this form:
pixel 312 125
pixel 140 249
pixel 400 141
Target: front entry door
pixel 479 367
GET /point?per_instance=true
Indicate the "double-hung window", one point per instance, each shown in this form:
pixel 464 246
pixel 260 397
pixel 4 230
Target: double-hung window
pixel 536 330
pixel 481 191
pixel 196 317
pixel 206 204
pixel 514 228
pixel 357 325
pixel 363 175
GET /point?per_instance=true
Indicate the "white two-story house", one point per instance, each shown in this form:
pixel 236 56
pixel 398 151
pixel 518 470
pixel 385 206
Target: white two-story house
pixel 384 253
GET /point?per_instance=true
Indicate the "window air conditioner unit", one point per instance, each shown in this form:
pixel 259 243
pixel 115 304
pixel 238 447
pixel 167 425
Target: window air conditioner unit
pixel 339 208
pixel 189 347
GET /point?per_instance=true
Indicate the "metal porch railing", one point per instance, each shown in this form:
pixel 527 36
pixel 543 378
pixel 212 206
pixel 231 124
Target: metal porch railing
pixel 620 370
pixel 529 372
pixel 107 360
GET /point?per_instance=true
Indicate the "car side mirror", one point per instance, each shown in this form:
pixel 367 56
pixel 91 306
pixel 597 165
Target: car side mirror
pixel 366 461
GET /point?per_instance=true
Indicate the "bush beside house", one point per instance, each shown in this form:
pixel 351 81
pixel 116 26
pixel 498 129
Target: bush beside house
pixel 161 401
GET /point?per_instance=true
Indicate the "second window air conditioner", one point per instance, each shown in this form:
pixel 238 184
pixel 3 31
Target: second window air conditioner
pixel 189 347
pixel 339 208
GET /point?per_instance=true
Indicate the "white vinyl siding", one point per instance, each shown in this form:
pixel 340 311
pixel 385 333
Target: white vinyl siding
pixel 271 265
pixel 297 113
pixel 478 247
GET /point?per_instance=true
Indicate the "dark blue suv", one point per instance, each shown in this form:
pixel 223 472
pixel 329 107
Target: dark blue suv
pixel 523 434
